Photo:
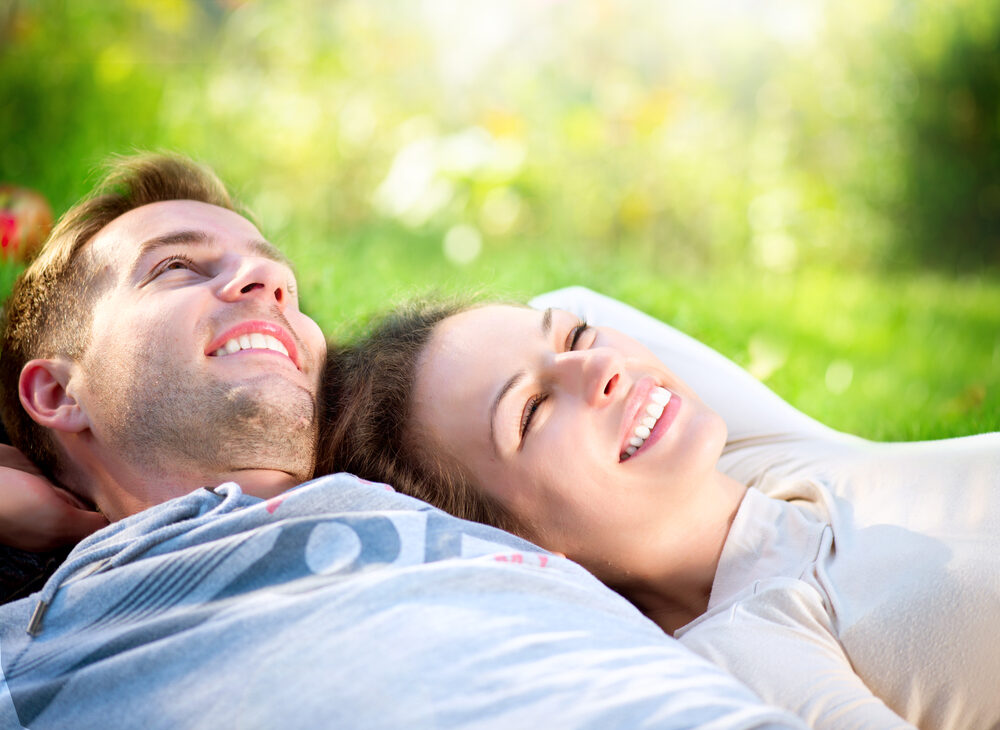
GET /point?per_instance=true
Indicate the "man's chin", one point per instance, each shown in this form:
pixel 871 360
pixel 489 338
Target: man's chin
pixel 264 423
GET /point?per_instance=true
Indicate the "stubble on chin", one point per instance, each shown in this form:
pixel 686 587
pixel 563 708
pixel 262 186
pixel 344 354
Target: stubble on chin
pixel 270 430
pixel 166 425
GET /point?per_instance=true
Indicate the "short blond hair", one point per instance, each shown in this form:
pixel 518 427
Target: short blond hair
pixel 49 311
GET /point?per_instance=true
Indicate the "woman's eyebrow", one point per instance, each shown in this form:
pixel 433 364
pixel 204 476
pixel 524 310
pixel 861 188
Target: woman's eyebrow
pixel 513 381
pixel 504 390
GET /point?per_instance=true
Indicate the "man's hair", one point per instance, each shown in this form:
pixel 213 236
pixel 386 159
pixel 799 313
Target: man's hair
pixel 369 428
pixel 50 309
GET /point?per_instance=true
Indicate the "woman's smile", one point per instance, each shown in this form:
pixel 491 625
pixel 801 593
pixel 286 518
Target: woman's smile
pixel 648 414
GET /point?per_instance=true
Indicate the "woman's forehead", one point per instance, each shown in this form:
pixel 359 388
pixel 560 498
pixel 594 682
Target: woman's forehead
pixel 469 355
pixel 491 321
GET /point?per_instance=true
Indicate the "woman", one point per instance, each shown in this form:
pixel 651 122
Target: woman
pixel 856 584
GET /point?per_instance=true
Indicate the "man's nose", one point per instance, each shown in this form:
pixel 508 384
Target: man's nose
pixel 254 276
pixel 594 374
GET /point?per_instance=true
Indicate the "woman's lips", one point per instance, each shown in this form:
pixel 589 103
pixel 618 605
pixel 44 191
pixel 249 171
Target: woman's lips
pixel 635 402
pixel 650 410
pixel 663 424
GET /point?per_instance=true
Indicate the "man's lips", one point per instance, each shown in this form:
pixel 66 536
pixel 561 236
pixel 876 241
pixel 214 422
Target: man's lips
pixel 259 327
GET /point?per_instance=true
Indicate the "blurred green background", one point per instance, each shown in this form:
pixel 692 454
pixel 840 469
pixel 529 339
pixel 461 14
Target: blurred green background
pixel 810 186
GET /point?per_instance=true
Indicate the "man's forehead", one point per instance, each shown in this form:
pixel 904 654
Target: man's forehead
pixel 148 227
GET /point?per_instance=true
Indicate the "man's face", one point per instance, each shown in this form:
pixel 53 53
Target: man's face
pixel 199 360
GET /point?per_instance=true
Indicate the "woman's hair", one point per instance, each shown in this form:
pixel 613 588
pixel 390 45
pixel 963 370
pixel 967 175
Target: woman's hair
pixel 368 426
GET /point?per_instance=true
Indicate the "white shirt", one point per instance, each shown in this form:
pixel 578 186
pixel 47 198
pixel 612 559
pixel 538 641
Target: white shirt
pixel 866 594
pixel 871 591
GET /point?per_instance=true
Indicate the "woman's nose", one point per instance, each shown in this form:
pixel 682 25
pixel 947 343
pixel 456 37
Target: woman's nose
pixel 254 276
pixel 594 373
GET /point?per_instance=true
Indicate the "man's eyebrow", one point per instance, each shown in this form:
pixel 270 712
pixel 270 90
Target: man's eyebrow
pixel 257 246
pixel 511 382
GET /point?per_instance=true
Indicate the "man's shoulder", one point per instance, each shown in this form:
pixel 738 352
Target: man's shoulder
pixel 386 526
pixel 324 596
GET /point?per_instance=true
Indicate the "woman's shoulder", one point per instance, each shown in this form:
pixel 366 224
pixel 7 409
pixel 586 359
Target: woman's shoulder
pixel 766 607
pixel 772 541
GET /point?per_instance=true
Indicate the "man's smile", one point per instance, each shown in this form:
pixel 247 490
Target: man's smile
pixel 257 335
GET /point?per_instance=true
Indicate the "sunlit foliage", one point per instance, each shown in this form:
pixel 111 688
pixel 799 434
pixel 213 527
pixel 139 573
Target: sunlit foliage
pixel 793 180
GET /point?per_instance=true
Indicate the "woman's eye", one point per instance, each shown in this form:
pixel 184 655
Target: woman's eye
pixel 575 334
pixel 529 413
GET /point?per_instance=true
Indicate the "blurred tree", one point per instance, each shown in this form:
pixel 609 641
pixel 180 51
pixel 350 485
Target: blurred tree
pixel 773 135
pixel 82 80
pixel 950 205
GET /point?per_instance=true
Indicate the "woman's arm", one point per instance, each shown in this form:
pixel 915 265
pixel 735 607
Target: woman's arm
pixel 781 645
pixel 769 436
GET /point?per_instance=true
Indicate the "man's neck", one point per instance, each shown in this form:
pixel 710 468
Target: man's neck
pixel 116 502
pixel 120 489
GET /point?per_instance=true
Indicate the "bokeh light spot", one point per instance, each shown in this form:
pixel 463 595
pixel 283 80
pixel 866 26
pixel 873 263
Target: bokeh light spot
pixel 838 376
pixel 462 244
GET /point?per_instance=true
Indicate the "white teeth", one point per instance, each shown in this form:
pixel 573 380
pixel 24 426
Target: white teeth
pixel 255 341
pixel 272 343
pixel 659 397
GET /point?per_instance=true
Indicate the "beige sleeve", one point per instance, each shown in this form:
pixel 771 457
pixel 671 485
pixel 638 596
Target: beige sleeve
pixel 779 642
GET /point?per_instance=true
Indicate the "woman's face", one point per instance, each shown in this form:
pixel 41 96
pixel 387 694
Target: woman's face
pixel 543 412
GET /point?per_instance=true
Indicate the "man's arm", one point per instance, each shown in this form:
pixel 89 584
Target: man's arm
pixel 35 514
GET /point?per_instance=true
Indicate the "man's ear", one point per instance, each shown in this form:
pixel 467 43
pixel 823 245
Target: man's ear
pixel 44 392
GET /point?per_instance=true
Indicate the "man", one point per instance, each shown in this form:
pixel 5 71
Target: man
pixel 156 364
pixel 138 299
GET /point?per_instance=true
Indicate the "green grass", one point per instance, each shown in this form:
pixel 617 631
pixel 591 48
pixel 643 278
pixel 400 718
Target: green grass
pixel 884 357
pixel 665 171
pixel 890 357
pixel 901 356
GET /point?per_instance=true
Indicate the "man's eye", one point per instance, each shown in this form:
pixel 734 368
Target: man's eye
pixel 575 334
pixel 175 263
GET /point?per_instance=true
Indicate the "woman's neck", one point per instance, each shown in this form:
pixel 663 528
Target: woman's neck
pixel 674 597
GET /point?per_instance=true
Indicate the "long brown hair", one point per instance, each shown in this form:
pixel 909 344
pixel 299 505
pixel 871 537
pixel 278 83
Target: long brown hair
pixel 368 428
